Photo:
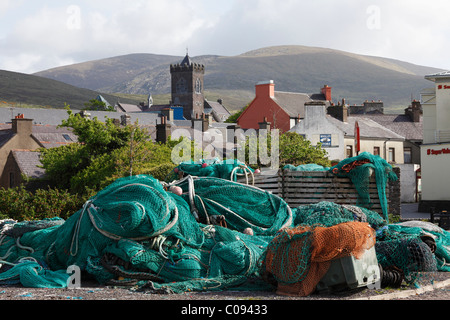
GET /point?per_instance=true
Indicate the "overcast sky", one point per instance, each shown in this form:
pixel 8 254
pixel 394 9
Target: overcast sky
pixel 36 35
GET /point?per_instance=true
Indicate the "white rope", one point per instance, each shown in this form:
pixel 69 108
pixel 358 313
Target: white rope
pixel 76 232
pixel 246 169
pixel 23 247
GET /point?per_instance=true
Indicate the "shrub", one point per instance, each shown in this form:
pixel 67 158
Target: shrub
pixel 22 205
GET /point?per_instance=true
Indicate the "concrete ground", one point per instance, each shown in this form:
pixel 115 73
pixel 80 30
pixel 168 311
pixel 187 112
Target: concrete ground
pixel 409 211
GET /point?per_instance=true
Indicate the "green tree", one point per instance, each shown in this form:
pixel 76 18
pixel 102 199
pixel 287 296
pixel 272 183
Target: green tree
pixel 293 149
pixel 104 151
pixel 101 137
pixel 97 105
pixel 296 150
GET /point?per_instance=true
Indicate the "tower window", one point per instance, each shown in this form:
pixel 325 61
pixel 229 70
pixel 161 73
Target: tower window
pixel 198 86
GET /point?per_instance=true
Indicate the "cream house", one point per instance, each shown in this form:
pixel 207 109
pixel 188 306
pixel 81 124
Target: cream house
pixel 337 134
pixel 435 150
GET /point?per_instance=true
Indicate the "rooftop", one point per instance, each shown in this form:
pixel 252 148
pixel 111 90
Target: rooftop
pixel 439 75
pixel 398 123
pixel 294 103
pixel 368 128
pixel 29 163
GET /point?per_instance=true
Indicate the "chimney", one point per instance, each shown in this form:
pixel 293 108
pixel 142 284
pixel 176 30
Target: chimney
pixel 201 122
pixel 264 125
pixel 205 122
pixel 315 110
pixel 125 120
pixel 414 111
pixel 163 130
pixel 265 88
pixel 168 112
pixel 326 91
pixel 20 125
pixel 339 111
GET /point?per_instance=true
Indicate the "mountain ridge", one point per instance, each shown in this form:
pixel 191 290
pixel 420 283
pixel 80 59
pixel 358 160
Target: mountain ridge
pixel 304 69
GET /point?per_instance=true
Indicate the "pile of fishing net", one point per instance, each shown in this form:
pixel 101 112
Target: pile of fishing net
pixel 135 232
pixel 212 234
pixel 298 257
pixel 224 169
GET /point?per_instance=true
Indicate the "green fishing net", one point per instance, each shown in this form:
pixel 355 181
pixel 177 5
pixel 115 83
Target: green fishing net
pixel 224 169
pixel 212 236
pixel 135 232
pixel 359 169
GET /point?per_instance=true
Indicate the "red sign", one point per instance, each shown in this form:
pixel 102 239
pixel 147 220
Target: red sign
pixel 443 87
pixel 437 152
pixel 357 138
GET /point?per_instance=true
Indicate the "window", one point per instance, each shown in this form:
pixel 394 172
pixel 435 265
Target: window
pixel 391 154
pixel 376 151
pixel 407 154
pixel 198 86
pixel 349 151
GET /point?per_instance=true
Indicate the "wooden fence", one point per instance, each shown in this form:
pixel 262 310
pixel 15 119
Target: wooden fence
pixel 307 187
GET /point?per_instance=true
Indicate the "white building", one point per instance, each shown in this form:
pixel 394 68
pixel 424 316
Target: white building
pixel 435 150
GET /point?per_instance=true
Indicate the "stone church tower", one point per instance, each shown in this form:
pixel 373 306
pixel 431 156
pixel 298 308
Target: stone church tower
pixel 187 87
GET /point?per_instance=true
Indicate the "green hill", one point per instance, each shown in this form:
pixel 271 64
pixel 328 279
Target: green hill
pixel 293 68
pixel 31 90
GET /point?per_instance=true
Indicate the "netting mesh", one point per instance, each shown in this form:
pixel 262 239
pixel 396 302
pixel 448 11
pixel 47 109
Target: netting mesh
pixel 134 231
pixel 299 257
pixel 216 235
pixel 224 169
pixel 240 205
pixel 359 169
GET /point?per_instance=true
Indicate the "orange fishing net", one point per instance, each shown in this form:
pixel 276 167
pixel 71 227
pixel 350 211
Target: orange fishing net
pixel 299 257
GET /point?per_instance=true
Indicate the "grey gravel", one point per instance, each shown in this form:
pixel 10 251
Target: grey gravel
pixel 429 286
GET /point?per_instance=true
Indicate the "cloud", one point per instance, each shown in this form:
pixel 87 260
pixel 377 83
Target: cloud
pixel 80 33
pixel 36 37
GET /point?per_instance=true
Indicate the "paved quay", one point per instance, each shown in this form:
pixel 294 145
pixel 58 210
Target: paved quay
pixel 430 286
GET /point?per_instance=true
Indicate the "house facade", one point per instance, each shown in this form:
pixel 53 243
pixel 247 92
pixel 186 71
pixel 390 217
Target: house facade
pixel 282 109
pixel 435 150
pixel 337 133
pixel 18 142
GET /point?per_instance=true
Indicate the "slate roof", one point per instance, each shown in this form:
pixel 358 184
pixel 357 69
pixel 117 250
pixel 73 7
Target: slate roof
pixel 129 107
pixel 400 124
pixel 368 128
pixel 5 136
pixel 187 60
pixel 49 136
pixel 29 162
pixel 217 110
pixel 56 116
pixel 294 103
